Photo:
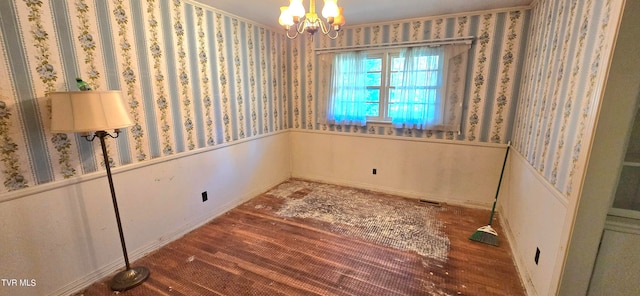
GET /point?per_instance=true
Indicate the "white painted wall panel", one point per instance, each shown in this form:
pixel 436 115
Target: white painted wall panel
pixel 65 236
pixel 533 212
pixel 452 172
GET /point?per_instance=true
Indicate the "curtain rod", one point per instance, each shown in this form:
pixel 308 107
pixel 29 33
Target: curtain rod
pixel 456 40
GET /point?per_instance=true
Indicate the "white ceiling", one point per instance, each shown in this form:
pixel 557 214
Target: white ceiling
pixel 359 12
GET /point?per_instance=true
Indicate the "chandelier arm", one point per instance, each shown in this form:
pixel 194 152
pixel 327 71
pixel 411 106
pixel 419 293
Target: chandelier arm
pixel 334 36
pixel 294 35
pixel 323 27
pixel 301 26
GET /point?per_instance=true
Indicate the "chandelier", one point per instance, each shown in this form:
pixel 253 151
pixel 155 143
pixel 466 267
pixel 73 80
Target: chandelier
pixel 293 18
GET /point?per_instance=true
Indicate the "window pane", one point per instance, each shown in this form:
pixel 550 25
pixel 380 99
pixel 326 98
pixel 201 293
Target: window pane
pixel 420 95
pixel 432 78
pixel 396 78
pixel 434 62
pixel 373 95
pixel 417 111
pixel 373 109
pixel 344 80
pixel 428 62
pixel 393 110
pixel 422 63
pixel 346 70
pixel 423 78
pixel 431 96
pixel 373 65
pixel 394 96
pixel 397 64
pixel 373 79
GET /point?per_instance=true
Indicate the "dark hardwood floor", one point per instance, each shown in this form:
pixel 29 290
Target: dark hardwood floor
pixel 255 249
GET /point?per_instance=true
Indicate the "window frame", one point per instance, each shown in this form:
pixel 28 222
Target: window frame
pixel 383 93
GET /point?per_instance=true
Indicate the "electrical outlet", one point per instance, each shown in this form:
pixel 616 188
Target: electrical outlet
pixel 204 196
pixel 537 256
pixel 375 171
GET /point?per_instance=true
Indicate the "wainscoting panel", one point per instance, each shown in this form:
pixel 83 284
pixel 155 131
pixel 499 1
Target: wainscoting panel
pixel 66 238
pixel 456 173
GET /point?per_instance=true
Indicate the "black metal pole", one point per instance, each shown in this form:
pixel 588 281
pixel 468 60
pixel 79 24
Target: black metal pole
pixel 101 135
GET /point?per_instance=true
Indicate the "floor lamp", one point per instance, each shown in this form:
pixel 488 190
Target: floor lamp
pixel 93 113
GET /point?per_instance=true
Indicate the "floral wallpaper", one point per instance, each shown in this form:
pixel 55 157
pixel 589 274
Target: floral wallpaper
pixel 192 76
pixel 569 49
pixel 195 77
pixel 492 78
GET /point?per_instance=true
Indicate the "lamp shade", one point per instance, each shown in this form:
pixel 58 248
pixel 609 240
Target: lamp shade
pixel 286 19
pixel 88 111
pixel 296 8
pixel 339 19
pixel 330 9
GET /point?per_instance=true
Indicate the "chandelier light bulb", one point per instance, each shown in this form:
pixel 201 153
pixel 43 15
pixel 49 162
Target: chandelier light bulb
pixel 286 19
pixel 339 19
pixel 330 9
pixel 296 9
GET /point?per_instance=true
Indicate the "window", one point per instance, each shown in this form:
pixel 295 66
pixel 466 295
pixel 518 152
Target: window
pixel 405 87
pixel 385 73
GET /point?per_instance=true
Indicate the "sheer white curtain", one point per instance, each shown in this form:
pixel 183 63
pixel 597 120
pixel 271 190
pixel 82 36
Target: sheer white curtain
pixel 416 101
pixel 431 91
pixel 348 92
pixel 456 59
pixel 325 66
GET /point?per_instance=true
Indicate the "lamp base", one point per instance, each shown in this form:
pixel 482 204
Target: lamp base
pixel 129 278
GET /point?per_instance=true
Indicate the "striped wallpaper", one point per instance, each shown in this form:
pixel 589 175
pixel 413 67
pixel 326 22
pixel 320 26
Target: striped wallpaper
pixel 569 50
pixel 193 77
pixel 493 75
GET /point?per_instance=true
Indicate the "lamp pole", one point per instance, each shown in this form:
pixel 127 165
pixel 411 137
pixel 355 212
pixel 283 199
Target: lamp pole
pixel 130 277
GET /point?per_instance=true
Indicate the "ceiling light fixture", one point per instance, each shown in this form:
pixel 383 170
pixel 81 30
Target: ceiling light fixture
pixel 294 16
